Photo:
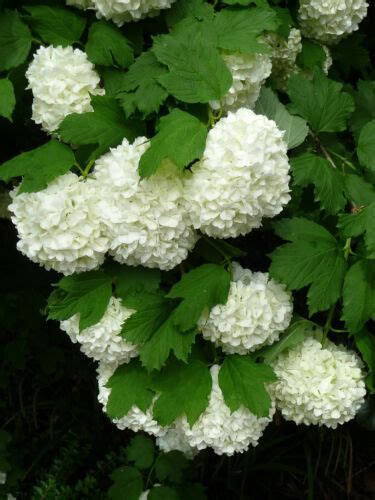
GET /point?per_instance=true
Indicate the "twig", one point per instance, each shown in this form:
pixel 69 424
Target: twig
pixel 323 149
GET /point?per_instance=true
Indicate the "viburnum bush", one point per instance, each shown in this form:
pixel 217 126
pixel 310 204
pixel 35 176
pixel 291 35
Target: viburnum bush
pixel 168 132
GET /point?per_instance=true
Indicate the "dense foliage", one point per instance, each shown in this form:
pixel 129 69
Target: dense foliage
pixel 191 185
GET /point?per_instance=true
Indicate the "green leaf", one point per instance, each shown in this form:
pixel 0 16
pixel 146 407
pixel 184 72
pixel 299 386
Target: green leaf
pixel 295 334
pixel 171 466
pixel 321 102
pixel 358 190
pixel 313 258
pixel 130 280
pixel 311 56
pixel 7 99
pixel 152 328
pixel 86 294
pixel 217 251
pixel 39 166
pixel 106 46
pixel 365 105
pixel 198 9
pixel 366 146
pixel 128 484
pixel 295 128
pixel 152 311
pixel 245 2
pixel 365 342
pixel 15 40
pixel 242 382
pixel 130 385
pixel 181 138
pixel 141 451
pixel 204 287
pixel 56 25
pixel 359 223
pixel 114 79
pixel 140 87
pixel 184 390
pixel 359 294
pixel 168 338
pixel 105 126
pixel 329 184
pixel 197 73
pixel 163 493
pixel 238 30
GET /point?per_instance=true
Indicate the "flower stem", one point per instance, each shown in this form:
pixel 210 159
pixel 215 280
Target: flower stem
pixel 327 326
pixel 86 172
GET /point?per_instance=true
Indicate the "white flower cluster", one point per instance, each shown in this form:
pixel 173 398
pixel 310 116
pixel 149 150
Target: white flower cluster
pixel 258 309
pixel 146 220
pixel 284 55
pixel 70 225
pixel 217 428
pixel 318 385
pixel 329 20
pixel 175 438
pixel 123 11
pixel 61 79
pixel 135 420
pixel 60 226
pixel 243 176
pixel 249 72
pixel 225 432
pixel 102 342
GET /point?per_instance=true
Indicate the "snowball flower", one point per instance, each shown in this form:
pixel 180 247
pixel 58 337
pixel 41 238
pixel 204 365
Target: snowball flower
pixel 284 55
pixel 225 432
pixel 175 438
pixel 135 419
pixel 59 227
pixel 257 310
pixel 122 11
pixel 328 60
pixel 329 20
pixel 61 79
pixel 318 385
pixel 102 342
pixel 243 176
pixel 146 220
pixel 249 72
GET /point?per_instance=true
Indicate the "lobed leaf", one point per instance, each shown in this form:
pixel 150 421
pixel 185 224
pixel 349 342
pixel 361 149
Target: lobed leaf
pixel 359 294
pixel 107 46
pixel 15 40
pixel 56 25
pixel 314 259
pixel 321 102
pixel 181 138
pixel 184 390
pixel 106 126
pixel 242 382
pixel 7 98
pixel 86 294
pixel 309 168
pixel 39 166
